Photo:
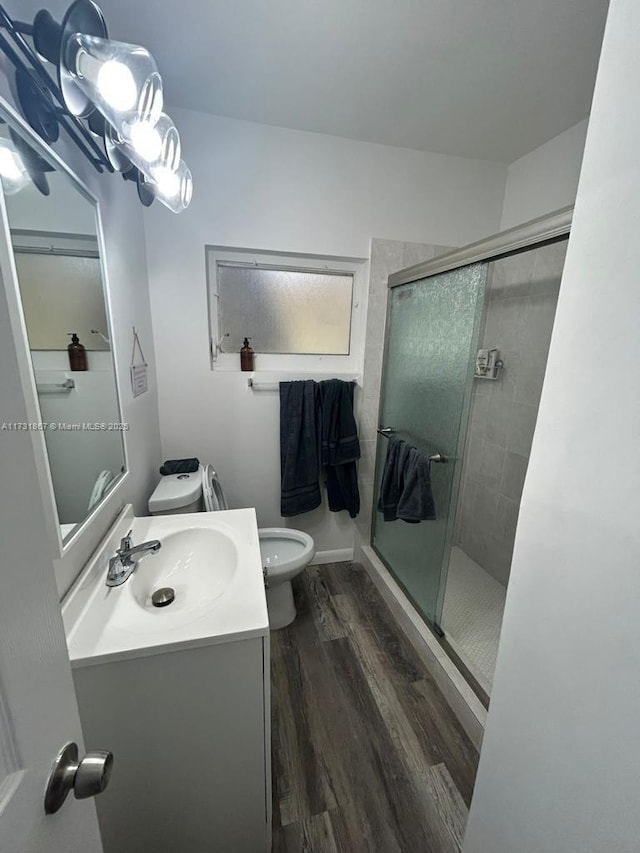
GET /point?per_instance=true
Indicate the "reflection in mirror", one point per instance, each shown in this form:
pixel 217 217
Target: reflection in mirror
pixel 59 272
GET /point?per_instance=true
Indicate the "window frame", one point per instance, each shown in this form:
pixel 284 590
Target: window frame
pixel 294 362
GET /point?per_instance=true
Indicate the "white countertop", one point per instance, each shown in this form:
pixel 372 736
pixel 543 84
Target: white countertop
pixel 104 624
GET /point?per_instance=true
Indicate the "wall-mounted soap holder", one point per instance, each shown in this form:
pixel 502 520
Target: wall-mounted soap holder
pixel 488 364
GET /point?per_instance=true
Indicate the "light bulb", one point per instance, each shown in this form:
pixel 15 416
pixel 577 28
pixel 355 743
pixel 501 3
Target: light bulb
pixel 174 189
pixel 116 85
pixel 120 80
pixel 168 182
pixel 158 145
pixel 146 140
pixel 9 166
pixel 13 173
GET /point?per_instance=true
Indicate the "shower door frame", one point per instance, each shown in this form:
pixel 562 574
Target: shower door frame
pixel 537 232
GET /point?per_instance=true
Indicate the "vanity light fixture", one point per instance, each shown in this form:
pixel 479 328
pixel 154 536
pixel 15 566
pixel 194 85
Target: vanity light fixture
pixel 108 97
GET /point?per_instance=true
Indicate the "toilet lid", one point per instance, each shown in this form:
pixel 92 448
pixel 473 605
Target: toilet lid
pixel 214 498
pixel 176 491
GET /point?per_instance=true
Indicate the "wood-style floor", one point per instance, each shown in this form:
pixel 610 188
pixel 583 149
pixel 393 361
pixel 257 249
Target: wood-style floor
pixel 367 755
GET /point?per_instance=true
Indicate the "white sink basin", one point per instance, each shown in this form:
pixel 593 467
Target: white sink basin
pixel 198 564
pixel 212 563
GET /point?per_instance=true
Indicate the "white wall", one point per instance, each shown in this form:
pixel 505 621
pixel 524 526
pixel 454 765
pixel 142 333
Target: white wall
pixel 544 180
pixel 559 766
pixel 264 187
pixel 126 269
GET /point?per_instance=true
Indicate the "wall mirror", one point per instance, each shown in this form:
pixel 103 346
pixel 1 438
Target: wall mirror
pixel 60 278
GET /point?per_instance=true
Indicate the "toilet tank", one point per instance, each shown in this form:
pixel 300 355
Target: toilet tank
pixel 177 493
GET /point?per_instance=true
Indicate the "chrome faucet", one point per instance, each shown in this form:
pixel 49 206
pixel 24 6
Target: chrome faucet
pixel 122 565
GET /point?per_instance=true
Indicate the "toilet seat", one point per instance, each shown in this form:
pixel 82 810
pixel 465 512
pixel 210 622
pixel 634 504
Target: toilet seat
pixel 284 551
pixel 214 499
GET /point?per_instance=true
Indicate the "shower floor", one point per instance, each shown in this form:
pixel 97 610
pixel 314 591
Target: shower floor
pixel 472 615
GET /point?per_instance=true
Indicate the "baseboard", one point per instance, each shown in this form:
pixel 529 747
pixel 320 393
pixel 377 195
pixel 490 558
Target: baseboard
pixel 338 555
pixel 463 701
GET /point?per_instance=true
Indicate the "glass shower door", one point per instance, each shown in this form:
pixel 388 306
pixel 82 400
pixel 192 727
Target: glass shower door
pixel 432 337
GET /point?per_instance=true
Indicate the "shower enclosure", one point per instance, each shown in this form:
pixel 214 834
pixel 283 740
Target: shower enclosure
pixel 466 345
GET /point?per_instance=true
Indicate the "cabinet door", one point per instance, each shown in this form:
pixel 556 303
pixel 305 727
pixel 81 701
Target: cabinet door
pixel 188 728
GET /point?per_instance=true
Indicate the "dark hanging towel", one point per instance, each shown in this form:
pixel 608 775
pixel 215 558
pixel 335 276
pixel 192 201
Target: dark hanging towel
pixel 405 491
pixel 416 501
pixel 299 443
pixel 393 478
pixel 339 446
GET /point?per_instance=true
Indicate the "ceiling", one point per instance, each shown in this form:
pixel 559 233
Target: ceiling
pixel 488 79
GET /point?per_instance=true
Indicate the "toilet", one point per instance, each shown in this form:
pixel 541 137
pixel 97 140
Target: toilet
pixel 285 552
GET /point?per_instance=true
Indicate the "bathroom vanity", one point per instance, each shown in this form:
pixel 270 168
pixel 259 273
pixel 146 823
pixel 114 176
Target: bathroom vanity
pixel 179 694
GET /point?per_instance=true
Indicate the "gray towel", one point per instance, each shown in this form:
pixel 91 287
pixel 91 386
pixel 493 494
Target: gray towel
pixel 393 478
pixel 299 448
pixel 416 501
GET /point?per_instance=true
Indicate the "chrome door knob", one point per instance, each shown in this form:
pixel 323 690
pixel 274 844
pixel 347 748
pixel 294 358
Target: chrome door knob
pixel 87 777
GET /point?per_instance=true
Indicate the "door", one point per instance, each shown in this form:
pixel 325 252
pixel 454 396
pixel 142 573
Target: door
pixel 38 711
pixel 432 336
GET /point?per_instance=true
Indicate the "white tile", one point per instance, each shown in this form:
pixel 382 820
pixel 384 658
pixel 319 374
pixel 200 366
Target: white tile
pixel 416 253
pixel 522 427
pixel 472 615
pixel 369 417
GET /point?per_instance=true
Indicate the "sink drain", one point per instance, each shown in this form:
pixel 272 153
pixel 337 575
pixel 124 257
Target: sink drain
pixel 163 597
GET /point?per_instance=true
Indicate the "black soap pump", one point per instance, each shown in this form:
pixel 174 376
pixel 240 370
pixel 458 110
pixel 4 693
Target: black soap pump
pixel 77 353
pixel 247 356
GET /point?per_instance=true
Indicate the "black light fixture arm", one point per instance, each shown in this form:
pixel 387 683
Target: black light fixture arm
pixel 26 62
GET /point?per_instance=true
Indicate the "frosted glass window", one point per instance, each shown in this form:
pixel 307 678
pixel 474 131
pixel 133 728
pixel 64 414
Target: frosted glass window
pixel 284 310
pixel 61 294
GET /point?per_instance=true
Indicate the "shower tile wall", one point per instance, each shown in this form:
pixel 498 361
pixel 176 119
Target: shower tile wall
pixel 387 256
pixel 519 313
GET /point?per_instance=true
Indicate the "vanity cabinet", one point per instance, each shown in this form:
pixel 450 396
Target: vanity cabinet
pixel 190 733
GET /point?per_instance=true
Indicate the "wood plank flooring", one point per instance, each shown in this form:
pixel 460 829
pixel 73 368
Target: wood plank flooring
pixel 367 755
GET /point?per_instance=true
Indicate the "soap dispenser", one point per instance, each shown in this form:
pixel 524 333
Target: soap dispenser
pixel 77 353
pixel 247 356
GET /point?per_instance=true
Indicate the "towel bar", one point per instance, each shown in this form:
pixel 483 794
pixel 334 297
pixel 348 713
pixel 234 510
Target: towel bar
pixel 387 432
pixel 55 387
pixel 275 386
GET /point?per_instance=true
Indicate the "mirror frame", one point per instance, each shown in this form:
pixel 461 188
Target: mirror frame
pixel 9 280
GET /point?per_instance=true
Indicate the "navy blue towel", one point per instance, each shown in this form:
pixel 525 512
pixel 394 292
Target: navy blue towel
pixel 405 490
pixel 416 501
pixel 299 448
pixel 339 445
pixel 392 478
